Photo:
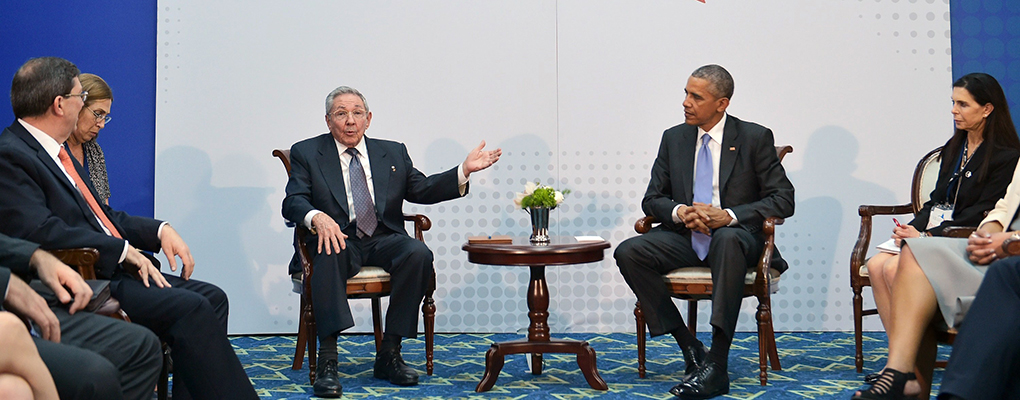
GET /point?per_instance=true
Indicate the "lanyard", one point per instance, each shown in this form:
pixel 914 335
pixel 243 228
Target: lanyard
pixel 961 164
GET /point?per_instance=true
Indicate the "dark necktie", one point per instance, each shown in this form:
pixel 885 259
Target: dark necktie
pixel 703 193
pixel 364 208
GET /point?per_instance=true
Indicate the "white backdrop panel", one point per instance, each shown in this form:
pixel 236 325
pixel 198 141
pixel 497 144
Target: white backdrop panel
pixel 576 93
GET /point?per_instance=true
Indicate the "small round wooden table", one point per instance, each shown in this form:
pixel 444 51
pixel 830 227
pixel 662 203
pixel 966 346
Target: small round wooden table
pixel 561 250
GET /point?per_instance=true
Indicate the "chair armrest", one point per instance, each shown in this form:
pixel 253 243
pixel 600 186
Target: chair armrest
pixel 872 210
pixel 83 258
pixel 422 223
pixel 958 231
pixel 864 235
pixel 761 280
pixel 644 224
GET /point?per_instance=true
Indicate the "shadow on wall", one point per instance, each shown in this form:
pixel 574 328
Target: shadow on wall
pixel 827 197
pixel 229 232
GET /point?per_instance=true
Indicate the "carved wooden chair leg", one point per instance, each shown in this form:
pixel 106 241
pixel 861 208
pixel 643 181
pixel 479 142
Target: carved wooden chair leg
pixel 377 323
pixel 858 329
pixel 428 309
pixel 299 348
pixel 311 337
pixel 639 317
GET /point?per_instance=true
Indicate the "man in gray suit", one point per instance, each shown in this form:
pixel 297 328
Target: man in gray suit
pixel 715 180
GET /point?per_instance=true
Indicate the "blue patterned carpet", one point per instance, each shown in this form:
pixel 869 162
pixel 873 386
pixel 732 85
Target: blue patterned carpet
pixel 816 365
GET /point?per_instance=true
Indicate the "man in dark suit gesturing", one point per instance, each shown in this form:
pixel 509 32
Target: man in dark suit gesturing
pixel 350 190
pixel 715 180
pixel 44 200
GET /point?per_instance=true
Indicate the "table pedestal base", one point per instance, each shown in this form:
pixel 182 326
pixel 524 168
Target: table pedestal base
pixel 585 359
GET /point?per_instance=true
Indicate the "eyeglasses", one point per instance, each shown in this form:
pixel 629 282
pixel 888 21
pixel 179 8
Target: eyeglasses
pixel 84 95
pixel 342 115
pixel 100 117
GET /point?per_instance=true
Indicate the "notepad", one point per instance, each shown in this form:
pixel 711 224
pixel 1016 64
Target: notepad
pixel 498 239
pixel 889 246
pixel 589 238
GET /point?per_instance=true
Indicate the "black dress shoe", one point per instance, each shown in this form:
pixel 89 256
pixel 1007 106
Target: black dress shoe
pixel 709 380
pixel 694 357
pixel 390 365
pixel 327 382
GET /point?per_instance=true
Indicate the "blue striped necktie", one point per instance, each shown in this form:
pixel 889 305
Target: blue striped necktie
pixel 703 193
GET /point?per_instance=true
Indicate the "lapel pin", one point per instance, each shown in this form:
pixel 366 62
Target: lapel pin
pixel 966 174
pixel 733 149
pixel 393 168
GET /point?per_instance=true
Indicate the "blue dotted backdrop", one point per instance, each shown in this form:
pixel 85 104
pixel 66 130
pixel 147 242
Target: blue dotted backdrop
pixel 986 38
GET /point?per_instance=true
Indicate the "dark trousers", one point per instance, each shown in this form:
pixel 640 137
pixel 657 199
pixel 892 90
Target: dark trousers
pixel 644 259
pixel 985 363
pixel 101 358
pixel 409 263
pixel 191 317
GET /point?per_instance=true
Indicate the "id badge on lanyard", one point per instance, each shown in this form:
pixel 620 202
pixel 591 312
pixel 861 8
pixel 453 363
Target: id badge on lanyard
pixel 939 213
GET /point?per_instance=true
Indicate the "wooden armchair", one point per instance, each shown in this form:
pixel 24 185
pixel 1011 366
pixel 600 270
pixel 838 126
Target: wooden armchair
pixel 84 259
pixel 925 175
pixel 372 283
pixel 695 283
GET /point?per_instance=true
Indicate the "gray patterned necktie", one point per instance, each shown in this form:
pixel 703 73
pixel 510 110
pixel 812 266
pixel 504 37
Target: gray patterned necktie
pixel 364 208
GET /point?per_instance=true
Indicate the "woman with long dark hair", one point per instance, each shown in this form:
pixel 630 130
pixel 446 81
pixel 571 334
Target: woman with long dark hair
pixel 943 274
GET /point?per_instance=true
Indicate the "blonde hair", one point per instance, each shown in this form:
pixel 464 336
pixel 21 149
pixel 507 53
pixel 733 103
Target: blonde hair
pixel 97 88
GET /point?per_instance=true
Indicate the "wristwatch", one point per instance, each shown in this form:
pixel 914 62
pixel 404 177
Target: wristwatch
pixel 1011 246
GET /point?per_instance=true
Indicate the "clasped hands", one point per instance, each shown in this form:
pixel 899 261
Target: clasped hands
pixel 983 246
pixel 701 217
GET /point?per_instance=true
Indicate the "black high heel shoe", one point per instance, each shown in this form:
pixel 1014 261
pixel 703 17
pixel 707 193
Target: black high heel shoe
pixel 888 386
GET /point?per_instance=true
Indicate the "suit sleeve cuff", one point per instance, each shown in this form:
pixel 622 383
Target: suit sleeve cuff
pixel 159 232
pixel 462 180
pixel 733 216
pixel 676 218
pixel 308 219
pixel 123 253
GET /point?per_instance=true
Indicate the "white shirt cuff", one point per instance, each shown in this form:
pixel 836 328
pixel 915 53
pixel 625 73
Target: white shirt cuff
pixel 308 219
pixel 676 218
pixel 123 253
pixel 733 221
pixel 462 180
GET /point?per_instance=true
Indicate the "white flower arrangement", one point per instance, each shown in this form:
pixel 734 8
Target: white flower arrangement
pixel 537 195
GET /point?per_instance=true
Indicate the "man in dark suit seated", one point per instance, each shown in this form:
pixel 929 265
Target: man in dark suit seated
pixel 43 199
pixel 350 191
pixel 715 180
pixel 89 356
pixel 985 363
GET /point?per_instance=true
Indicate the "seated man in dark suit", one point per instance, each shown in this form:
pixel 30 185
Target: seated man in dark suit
pixel 985 363
pixel 350 191
pixel 715 180
pixel 43 199
pixel 122 362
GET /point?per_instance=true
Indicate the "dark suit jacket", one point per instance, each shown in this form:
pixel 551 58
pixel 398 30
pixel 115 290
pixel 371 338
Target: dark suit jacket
pixel 752 182
pixel 316 182
pixel 39 204
pixel 974 198
pixel 14 257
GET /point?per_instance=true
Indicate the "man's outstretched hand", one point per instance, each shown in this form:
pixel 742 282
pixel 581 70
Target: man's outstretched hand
pixel 479 159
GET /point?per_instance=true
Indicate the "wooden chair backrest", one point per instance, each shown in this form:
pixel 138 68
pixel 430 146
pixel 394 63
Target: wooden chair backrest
pixel 926 174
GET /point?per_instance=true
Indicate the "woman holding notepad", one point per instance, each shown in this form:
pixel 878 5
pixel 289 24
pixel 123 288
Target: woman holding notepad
pixel 933 273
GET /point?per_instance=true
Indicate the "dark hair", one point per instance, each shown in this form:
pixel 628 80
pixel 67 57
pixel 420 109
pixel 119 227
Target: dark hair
pixel 719 77
pixel 38 82
pixel 998 131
